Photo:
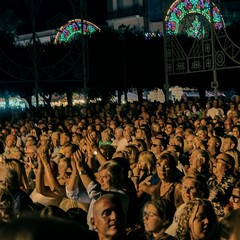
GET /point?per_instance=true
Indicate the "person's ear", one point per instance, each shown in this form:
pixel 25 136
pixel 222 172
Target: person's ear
pixel 94 227
pixel 202 159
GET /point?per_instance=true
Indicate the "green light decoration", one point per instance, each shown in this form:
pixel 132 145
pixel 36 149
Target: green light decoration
pixel 74 27
pixel 180 11
pixel 196 30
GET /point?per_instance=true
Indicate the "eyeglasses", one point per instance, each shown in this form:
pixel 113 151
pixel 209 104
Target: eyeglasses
pixel 235 198
pixel 222 160
pixel 191 189
pixel 3 181
pixel 159 164
pixel 155 145
pixel 150 214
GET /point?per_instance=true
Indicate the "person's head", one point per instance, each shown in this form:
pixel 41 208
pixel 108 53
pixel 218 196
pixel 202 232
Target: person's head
pixel 69 150
pixel 44 139
pixel 190 143
pixel 30 141
pixel 36 228
pixel 11 141
pixel 224 164
pixel 169 128
pixel 118 133
pixel 229 142
pixel 107 150
pixel 111 175
pixel 108 217
pixel 140 144
pixel 21 173
pixel 236 131
pixel 55 138
pixel 146 162
pixel 198 221
pixel 157 216
pixel 166 166
pixel 7 208
pixel 64 166
pixel 194 186
pixel 158 145
pixel 236 156
pixel 53 211
pixel 78 214
pixel 9 178
pixel 235 197
pixel 202 133
pixel 133 154
pixel 230 225
pixel 31 151
pixel 228 123
pixel 214 145
pixel 65 139
pixel 199 160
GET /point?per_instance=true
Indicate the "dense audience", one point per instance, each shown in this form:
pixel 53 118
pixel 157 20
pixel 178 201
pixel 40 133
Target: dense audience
pixel 146 170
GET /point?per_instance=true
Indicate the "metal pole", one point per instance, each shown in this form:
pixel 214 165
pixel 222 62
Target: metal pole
pixel 84 47
pixel 33 8
pixel 166 85
pixel 215 81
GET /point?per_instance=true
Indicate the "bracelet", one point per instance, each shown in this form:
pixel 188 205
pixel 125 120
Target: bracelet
pixel 136 176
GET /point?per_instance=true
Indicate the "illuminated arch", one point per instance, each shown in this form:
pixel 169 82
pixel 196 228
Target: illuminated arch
pixel 180 9
pixel 66 32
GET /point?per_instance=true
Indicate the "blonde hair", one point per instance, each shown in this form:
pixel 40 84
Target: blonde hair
pixel 189 212
pixel 149 158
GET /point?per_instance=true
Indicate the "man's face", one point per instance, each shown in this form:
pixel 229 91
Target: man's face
pixel 235 198
pixel 64 139
pixel 108 219
pixel 104 180
pixel 10 141
pixel 227 144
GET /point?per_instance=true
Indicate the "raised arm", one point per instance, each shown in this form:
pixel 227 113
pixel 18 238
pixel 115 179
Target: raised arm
pixel 94 150
pixel 81 167
pixel 53 183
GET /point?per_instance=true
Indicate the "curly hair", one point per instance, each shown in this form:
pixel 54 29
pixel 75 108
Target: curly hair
pixel 191 209
pixel 7 208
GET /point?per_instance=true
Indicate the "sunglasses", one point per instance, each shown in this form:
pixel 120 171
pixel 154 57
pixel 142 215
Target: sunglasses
pixel 155 145
pixel 235 198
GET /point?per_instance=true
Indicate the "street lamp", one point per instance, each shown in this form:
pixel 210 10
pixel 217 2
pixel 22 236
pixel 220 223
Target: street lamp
pixel 122 29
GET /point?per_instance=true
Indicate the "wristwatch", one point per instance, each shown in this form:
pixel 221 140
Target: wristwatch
pixel 83 172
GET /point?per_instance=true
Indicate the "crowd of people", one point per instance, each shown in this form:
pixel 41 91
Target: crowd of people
pixel 142 170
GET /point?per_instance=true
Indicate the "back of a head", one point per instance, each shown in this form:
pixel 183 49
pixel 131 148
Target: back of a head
pixel 39 228
pixel 53 211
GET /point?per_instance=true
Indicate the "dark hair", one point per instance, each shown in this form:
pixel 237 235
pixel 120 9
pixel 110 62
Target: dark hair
pixel 165 209
pixel 53 211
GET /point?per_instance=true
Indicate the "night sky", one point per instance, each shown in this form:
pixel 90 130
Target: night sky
pixel 54 13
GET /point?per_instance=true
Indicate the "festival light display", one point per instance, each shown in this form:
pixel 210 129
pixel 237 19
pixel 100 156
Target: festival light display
pixel 76 26
pixel 194 14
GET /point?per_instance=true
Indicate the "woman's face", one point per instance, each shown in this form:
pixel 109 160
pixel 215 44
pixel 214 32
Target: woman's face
pixel 189 190
pixel 235 132
pixel 142 165
pixel 62 166
pixel 200 224
pixel 152 222
pixel 164 170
